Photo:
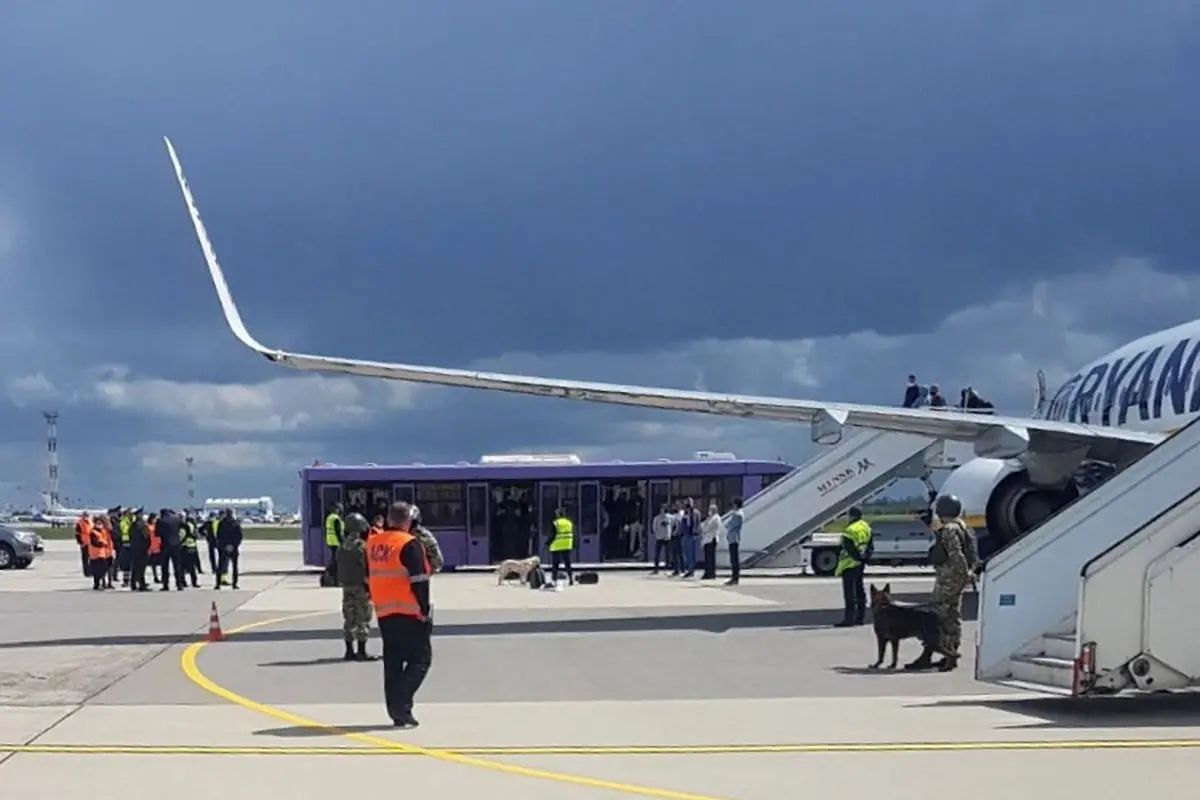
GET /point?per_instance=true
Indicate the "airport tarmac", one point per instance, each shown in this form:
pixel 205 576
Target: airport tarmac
pixel 638 686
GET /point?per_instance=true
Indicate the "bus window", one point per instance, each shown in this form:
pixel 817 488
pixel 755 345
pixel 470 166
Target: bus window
pixel 441 505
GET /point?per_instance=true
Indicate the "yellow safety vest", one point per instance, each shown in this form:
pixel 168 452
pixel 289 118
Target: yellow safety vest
pixel 858 532
pixel 123 525
pixel 189 536
pixel 564 536
pixel 331 531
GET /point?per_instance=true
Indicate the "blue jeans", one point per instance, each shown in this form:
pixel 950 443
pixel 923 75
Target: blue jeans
pixel 688 545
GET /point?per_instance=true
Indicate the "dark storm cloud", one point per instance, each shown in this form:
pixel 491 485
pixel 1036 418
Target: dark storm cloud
pixel 447 182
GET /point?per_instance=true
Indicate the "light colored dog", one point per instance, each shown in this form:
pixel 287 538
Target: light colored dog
pixel 519 567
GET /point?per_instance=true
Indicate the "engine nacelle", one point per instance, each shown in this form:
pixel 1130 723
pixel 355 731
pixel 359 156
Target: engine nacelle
pixel 1001 501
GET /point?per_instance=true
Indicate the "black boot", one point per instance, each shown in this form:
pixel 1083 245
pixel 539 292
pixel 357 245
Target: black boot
pixel 947 664
pixel 361 653
pixel 924 662
pixel 349 654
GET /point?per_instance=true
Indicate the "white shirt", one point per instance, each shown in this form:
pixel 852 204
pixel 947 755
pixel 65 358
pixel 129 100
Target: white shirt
pixel 712 529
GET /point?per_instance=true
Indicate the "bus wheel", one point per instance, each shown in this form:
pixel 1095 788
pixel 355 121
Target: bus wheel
pixel 824 561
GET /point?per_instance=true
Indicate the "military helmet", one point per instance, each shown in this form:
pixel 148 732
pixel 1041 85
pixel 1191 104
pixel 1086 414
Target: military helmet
pixel 355 524
pixel 947 506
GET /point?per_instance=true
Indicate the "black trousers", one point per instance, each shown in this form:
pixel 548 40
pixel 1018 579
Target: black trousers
pixel 189 563
pixel 228 561
pixel 171 560
pixel 407 657
pixel 84 560
pixel 212 553
pixel 561 558
pixel 137 574
pixel 331 567
pixel 735 562
pixel 675 554
pixel 854 595
pixel 99 569
pixel 710 560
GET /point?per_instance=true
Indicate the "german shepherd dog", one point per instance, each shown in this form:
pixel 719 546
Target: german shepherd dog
pixel 895 622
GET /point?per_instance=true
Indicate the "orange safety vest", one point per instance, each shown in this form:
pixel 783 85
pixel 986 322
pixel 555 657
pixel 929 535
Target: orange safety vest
pixel 83 530
pixel 390 583
pixel 96 552
pixel 107 537
pixel 155 542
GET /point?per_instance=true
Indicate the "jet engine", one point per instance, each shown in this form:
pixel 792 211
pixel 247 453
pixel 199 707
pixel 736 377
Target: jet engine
pixel 1003 504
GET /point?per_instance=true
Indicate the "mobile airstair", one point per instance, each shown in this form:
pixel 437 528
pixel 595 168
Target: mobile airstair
pixel 864 463
pixel 1103 596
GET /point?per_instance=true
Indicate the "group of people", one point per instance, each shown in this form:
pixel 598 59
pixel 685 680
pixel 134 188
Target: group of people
pixel 680 530
pixel 917 395
pixel 387 564
pixel 124 542
pixel 954 556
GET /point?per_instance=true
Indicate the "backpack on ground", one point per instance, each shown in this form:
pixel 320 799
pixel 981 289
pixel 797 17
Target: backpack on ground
pixel 537 578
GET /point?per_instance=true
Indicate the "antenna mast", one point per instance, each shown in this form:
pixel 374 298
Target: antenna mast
pixel 51 418
pixel 191 482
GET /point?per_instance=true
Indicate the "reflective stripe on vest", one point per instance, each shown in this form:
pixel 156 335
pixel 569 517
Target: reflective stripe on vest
pixel 389 581
pixel 123 525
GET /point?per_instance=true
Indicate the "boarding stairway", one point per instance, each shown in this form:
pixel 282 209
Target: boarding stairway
pixel 864 463
pixel 1103 596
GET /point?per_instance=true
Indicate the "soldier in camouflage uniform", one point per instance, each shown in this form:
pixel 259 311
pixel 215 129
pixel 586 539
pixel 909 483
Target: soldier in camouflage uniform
pixel 953 555
pixel 423 535
pixel 352 576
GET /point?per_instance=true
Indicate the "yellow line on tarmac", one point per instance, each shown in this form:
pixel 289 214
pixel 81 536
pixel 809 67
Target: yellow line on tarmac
pixel 603 750
pixel 192 671
pixel 469 756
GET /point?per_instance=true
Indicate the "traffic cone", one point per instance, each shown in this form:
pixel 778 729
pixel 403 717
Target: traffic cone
pixel 214 625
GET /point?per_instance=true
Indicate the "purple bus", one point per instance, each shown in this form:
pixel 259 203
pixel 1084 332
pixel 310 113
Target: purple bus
pixel 502 507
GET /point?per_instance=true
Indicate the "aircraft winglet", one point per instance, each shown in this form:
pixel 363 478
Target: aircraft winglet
pixel 232 315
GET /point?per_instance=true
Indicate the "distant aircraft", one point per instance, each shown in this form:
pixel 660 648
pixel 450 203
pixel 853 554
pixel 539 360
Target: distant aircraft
pixel 55 512
pixel 1105 417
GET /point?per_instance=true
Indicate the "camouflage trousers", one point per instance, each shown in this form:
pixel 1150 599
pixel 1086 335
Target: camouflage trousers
pixel 946 603
pixel 356 613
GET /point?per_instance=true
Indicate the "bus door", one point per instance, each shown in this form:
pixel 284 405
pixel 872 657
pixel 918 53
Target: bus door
pixel 548 497
pixel 587 538
pixel 479 543
pixel 330 496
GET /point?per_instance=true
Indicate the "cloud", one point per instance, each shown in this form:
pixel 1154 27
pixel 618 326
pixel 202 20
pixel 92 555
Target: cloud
pixel 29 390
pixel 279 405
pixel 226 456
pixel 262 432
pixel 1055 324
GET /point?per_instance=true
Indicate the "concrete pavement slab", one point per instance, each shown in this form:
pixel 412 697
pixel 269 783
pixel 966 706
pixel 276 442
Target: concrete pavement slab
pixel 788 722
pixel 22 723
pixel 632 661
pixel 898 776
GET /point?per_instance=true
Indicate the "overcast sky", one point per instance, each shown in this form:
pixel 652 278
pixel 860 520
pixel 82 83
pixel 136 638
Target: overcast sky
pixel 777 197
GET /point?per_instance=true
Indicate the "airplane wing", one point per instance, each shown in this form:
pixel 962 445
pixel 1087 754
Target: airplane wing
pixel 993 436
